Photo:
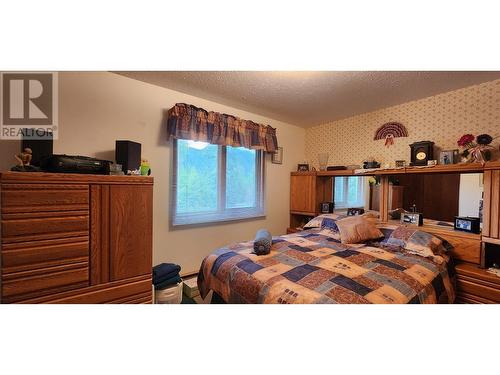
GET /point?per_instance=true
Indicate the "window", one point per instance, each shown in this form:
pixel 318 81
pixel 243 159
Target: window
pixel 216 183
pixel 349 192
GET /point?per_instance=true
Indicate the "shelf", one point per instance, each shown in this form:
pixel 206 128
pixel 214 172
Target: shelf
pixel 494 241
pixel 342 172
pixel 303 213
pixel 450 168
pixel 308 173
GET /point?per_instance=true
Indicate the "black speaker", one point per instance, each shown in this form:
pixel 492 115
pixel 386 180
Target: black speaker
pixel 128 154
pixel 41 148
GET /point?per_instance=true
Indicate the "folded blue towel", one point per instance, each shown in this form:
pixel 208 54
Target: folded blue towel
pixel 165 271
pixel 168 282
pixel 263 242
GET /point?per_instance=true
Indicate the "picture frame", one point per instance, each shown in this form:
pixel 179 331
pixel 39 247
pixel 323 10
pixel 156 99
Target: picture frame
pixel 412 218
pixel 448 157
pixel 302 167
pixel 277 156
pixel 326 207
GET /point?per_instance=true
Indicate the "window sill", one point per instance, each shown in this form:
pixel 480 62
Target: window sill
pixel 193 221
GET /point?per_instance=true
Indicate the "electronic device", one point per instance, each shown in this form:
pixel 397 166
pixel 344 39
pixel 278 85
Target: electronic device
pixel 326 207
pixel 371 164
pixel 355 211
pixel 128 154
pixel 41 148
pixel 74 164
pixel 467 224
pixel 412 218
pixel 421 152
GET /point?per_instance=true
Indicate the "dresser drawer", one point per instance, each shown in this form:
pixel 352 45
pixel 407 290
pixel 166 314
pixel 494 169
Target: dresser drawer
pixel 36 283
pixel 133 290
pixel 44 197
pixel 41 228
pixel 23 256
pixel 487 292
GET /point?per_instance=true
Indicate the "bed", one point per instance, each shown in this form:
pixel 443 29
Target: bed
pixel 313 266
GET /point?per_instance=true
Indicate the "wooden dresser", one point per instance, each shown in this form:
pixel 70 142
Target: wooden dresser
pixel 73 238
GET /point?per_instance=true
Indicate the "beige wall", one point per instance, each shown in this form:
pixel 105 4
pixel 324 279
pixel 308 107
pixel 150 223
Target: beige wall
pixel 96 108
pixel 442 119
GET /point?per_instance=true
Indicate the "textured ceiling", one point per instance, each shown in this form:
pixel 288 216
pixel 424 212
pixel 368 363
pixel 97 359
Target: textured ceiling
pixel 311 98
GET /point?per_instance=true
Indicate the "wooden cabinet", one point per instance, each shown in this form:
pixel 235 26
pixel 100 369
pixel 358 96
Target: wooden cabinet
pixel 307 191
pixel 475 285
pixel 72 238
pixel 303 193
pixel 491 212
pixel 130 235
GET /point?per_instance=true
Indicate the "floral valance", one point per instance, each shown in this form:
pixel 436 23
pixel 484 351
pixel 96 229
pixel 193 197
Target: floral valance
pixel 186 121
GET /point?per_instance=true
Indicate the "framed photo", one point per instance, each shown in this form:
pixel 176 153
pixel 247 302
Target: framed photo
pixel 412 218
pixel 326 207
pixel 448 157
pixel 303 167
pixel 277 156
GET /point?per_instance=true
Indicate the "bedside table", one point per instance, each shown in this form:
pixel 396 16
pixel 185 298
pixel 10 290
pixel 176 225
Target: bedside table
pixel 475 285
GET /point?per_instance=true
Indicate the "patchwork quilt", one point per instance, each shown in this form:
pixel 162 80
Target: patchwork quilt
pixel 312 266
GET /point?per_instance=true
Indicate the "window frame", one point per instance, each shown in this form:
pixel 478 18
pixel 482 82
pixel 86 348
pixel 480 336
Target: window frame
pixel 222 214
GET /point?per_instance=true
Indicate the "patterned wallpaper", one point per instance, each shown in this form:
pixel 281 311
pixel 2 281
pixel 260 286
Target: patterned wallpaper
pixel 441 118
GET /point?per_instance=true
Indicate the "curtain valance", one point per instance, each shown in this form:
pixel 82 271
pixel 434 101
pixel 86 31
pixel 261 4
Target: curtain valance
pixel 186 121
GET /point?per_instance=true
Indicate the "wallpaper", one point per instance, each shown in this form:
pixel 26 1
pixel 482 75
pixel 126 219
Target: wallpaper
pixel 441 118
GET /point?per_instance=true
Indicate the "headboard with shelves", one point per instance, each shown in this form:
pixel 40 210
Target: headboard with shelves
pixel 472 251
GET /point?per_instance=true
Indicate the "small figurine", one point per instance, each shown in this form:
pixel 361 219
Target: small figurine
pixel 24 162
pixel 24 158
pixel 145 168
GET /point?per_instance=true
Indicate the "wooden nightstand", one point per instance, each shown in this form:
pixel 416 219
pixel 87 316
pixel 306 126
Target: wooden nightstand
pixel 476 285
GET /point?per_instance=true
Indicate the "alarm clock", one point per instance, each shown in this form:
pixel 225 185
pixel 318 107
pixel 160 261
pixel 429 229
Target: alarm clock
pixel 326 207
pixel 467 224
pixel 421 152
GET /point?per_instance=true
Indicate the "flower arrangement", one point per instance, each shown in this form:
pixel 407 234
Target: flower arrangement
pixel 477 148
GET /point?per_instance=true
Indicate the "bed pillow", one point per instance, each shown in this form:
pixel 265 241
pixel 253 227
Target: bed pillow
pixel 358 229
pixel 416 241
pixel 325 221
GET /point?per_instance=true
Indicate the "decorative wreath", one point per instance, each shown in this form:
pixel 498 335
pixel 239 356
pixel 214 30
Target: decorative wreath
pixel 389 131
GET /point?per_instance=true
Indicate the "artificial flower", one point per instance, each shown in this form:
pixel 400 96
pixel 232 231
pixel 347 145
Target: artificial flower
pixel 484 139
pixel 465 140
